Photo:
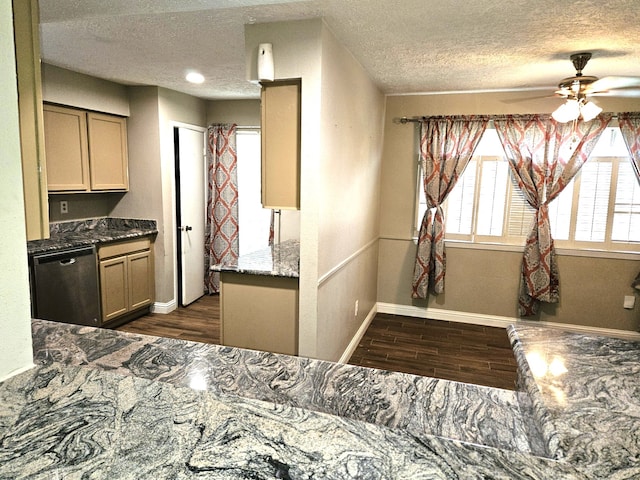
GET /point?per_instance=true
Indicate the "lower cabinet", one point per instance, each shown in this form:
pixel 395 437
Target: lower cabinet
pixel 126 279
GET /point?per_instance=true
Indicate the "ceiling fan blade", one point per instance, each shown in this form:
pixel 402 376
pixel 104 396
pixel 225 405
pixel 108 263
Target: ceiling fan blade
pixel 613 83
pixel 621 92
pixel 526 99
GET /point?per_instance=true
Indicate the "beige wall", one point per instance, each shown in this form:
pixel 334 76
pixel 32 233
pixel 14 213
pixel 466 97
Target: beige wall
pixel 78 90
pixel 351 141
pixel 485 282
pixel 145 196
pixel 15 314
pixel 340 152
pixel 244 113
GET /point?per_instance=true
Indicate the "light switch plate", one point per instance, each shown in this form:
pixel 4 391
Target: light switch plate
pixel 629 301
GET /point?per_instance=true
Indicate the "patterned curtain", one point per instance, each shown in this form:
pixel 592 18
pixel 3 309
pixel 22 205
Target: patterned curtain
pixel 446 146
pixel 630 127
pixel 221 233
pixel 544 156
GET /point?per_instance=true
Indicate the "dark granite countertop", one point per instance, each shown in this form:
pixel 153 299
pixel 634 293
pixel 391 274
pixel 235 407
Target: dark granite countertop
pixel 72 234
pixel 281 260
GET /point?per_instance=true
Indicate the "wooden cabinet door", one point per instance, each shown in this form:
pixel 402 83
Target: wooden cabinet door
pixel 140 279
pixel 65 139
pixel 114 288
pixel 280 111
pixel 108 152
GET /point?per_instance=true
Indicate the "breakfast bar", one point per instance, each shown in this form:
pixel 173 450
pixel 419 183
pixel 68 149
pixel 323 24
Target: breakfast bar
pixel 110 404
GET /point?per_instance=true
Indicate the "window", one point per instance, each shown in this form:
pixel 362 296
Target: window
pixel 599 209
pixel 254 221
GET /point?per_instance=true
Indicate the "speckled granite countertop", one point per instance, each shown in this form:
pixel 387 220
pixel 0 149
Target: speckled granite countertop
pixel 584 395
pixel 91 232
pixel 281 260
pixel 106 404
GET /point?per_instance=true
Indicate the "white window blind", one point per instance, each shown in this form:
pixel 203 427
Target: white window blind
pixel 521 214
pixel 459 208
pixel 626 210
pixel 593 201
pixel 560 213
pixel 492 195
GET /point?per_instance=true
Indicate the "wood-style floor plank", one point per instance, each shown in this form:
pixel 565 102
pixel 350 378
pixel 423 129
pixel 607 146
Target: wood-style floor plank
pixel 449 350
pixel 198 322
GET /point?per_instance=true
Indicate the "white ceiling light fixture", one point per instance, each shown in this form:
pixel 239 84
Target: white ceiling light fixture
pixel 574 108
pixel 194 77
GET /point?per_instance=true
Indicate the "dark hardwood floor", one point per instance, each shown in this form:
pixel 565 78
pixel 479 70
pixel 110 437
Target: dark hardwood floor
pixel 449 350
pixel 198 322
pixel 434 348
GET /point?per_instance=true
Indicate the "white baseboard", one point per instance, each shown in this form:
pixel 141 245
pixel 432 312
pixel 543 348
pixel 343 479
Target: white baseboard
pixel 164 308
pixel 497 321
pixel 353 344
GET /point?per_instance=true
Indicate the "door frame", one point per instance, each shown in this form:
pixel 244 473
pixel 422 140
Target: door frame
pixel 177 240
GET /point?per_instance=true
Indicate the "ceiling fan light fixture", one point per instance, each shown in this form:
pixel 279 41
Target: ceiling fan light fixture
pixel 572 109
pixel 589 111
pixel 568 111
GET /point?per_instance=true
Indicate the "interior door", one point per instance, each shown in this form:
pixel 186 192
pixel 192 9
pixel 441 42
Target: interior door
pixel 191 211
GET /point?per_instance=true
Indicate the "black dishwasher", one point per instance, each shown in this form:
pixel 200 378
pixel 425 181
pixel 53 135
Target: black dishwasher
pixel 65 286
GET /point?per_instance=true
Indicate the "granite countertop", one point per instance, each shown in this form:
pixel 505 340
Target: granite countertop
pixel 282 260
pixel 584 394
pixel 72 234
pixel 110 404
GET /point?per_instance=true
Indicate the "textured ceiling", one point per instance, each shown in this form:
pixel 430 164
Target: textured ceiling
pixel 406 46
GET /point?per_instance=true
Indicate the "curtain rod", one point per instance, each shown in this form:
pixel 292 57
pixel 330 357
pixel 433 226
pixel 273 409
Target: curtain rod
pixel 403 120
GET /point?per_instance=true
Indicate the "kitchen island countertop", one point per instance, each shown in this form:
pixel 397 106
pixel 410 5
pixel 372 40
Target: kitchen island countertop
pixel 115 405
pixel 104 404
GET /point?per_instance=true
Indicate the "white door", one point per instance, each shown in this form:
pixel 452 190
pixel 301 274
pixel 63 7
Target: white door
pixel 191 210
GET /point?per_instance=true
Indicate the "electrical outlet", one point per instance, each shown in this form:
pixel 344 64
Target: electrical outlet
pixel 64 206
pixel 629 301
pixel 355 314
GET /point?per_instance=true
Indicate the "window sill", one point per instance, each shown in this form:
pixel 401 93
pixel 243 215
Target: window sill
pixel 567 252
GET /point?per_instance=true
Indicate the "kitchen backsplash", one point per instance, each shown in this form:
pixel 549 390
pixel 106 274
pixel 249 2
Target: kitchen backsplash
pixel 100 223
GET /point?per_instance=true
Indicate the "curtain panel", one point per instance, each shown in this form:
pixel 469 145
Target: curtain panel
pixel 446 146
pixel 544 156
pixel 630 127
pixel 221 231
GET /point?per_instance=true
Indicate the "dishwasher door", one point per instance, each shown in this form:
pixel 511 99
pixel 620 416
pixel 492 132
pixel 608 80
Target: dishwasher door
pixel 66 288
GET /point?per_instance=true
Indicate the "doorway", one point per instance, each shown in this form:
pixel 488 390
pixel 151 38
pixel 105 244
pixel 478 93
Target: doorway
pixel 190 173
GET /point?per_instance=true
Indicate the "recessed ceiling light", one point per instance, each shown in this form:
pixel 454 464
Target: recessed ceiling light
pixel 195 77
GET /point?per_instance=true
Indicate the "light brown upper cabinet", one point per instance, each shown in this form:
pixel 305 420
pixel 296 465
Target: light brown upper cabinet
pixel 86 151
pixel 280 109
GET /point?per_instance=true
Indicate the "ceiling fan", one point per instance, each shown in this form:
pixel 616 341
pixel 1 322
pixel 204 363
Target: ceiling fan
pixel 577 90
